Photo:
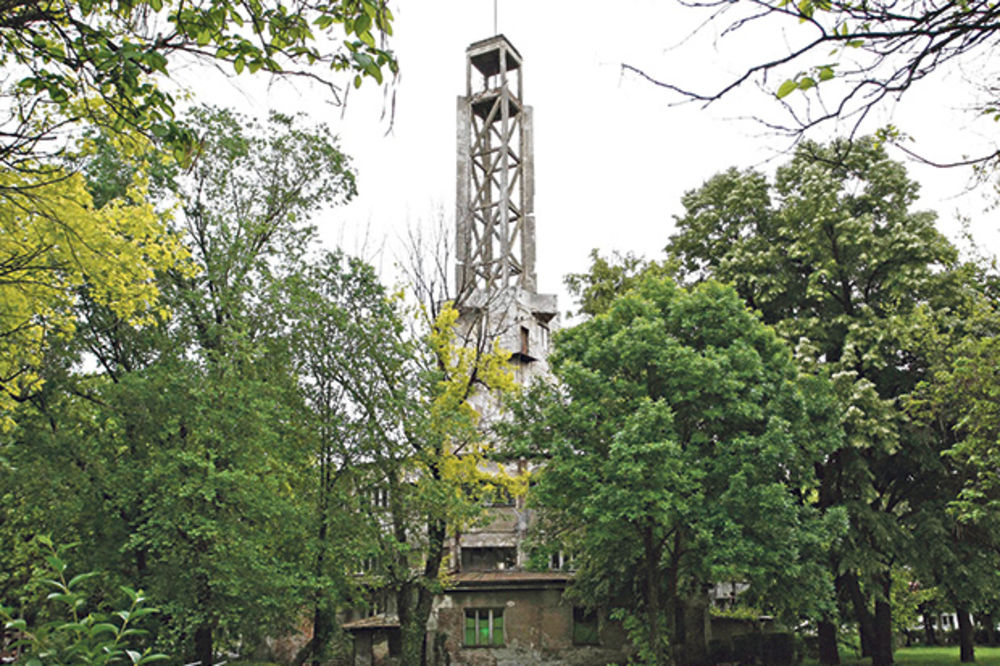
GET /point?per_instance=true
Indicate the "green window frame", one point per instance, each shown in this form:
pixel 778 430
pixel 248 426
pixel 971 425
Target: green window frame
pixel 483 627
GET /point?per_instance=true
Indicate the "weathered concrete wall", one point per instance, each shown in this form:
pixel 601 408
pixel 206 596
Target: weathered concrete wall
pixel 538 629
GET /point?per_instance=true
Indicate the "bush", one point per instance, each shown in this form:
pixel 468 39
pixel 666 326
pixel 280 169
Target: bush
pixel 73 638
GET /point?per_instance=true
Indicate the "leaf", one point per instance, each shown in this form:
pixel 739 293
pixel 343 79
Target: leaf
pixel 362 24
pixel 58 565
pixel 104 627
pixel 786 88
pixel 806 83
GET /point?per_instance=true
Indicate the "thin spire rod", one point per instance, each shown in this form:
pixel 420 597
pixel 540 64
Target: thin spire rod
pixel 496 30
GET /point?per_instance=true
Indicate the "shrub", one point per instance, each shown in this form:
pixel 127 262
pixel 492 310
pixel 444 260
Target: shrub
pixel 73 638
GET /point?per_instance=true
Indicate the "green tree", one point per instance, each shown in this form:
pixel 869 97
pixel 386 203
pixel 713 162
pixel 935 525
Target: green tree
pixel 409 433
pixel 678 452
pixel 832 255
pixel 186 452
pixel 345 334
pixel 607 279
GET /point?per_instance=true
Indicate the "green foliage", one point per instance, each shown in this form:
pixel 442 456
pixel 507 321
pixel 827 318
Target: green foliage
pixel 833 256
pixel 184 464
pixel 679 447
pixel 72 637
pixel 99 60
pixel 608 278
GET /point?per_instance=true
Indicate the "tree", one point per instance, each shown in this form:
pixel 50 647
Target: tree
pixel 678 449
pixel 834 258
pixel 188 443
pixel 54 242
pixel 847 59
pixel 93 64
pixel 418 443
pixel 345 335
pixel 97 61
pixel 597 289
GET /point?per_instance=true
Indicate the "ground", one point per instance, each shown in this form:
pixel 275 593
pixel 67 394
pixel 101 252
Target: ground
pixel 927 656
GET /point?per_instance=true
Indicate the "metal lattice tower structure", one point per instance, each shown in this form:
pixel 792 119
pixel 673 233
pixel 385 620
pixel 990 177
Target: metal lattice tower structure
pixel 495 234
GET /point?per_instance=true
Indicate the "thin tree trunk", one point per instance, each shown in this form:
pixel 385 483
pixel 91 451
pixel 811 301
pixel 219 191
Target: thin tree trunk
pixel 966 637
pixel 416 600
pixel 991 629
pixel 928 615
pixel 203 650
pixel 203 644
pixel 828 654
pixel 654 632
pixel 322 614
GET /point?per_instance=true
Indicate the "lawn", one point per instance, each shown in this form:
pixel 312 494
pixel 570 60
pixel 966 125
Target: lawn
pixel 928 656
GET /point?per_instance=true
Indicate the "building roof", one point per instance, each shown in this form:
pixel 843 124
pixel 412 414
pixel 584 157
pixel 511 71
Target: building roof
pixel 510 579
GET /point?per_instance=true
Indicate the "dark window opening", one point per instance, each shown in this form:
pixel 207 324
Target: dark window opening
pixel 524 340
pixel 585 627
pixel 488 559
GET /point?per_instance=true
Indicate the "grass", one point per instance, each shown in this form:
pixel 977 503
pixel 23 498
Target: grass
pixel 926 656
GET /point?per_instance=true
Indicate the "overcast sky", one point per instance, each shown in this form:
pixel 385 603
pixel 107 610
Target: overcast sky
pixel 612 156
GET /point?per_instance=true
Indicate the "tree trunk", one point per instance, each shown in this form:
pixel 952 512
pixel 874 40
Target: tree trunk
pixel 927 613
pixel 966 637
pixel 989 624
pixel 322 614
pixel 203 651
pixel 866 623
pixel 828 654
pixel 203 644
pixel 882 654
pixel 322 630
pixel 695 648
pixel 654 633
pixel 416 599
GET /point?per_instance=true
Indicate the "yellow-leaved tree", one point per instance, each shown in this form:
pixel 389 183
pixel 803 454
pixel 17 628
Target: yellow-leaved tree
pixel 54 243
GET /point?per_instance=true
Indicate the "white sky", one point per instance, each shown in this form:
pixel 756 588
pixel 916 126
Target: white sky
pixel 612 158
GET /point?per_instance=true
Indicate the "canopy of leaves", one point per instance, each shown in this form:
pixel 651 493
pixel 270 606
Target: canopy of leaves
pixel 54 242
pixel 66 56
pixel 679 416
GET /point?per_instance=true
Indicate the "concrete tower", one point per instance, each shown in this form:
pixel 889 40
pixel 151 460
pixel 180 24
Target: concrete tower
pixel 495 216
pixel 495 220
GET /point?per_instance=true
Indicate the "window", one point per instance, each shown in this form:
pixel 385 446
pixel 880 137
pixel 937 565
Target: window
pixel 368 565
pixel 377 497
pixel 499 496
pixel 585 629
pixel 561 561
pixel 488 559
pixel 483 627
pixel 525 337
